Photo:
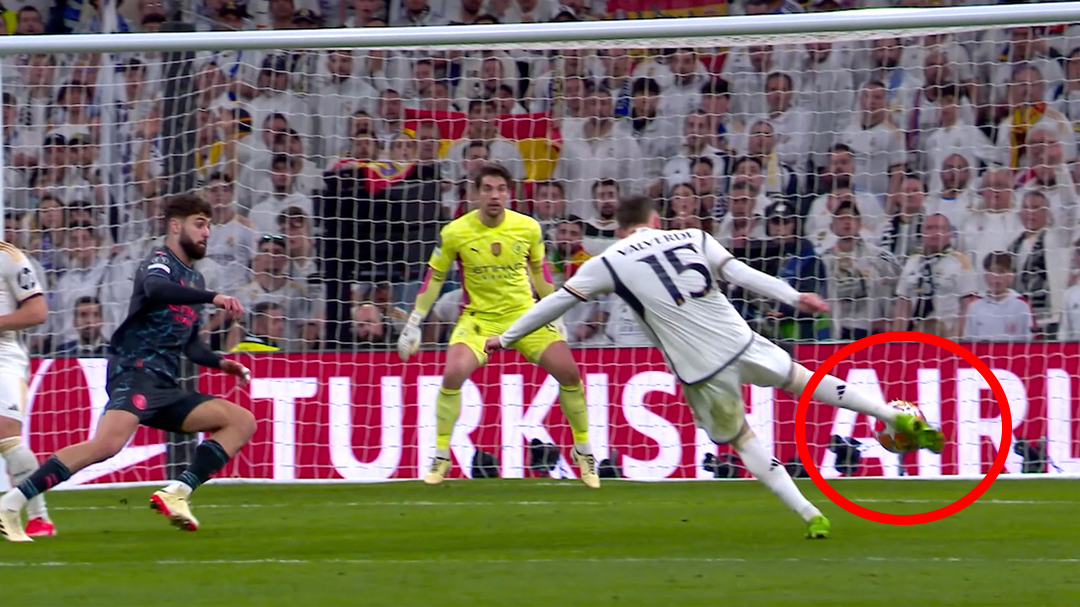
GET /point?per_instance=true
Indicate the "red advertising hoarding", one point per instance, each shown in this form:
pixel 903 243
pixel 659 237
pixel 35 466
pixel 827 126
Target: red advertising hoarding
pixel 368 417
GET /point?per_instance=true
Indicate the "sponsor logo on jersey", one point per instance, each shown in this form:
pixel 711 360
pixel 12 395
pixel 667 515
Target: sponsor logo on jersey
pixel 496 248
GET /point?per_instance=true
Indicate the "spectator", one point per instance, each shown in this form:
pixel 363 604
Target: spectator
pixel 993 220
pixel 416 13
pixel 1070 317
pixel 568 251
pixel 339 95
pixel 283 195
pixel 695 145
pixel 684 210
pixel 828 94
pixel 798 265
pixel 265 332
pixel 273 285
pixel 1042 262
pixel 305 269
pixel 790 123
pixel 655 131
pixel 372 327
pixel 87 321
pixel 85 276
pixel 1049 175
pixel 1028 110
pixel 819 225
pixel 956 197
pixel 549 206
pixel 600 230
pixel 861 278
pixel 745 218
pixel 483 127
pixel 606 149
pixel 780 179
pixel 728 132
pixel 1001 314
pixel 875 142
pixel 906 208
pixel 936 285
pixel 233 238
pixel 954 135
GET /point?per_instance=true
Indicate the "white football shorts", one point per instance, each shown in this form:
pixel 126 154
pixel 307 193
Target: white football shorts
pixel 717 402
pixel 12 396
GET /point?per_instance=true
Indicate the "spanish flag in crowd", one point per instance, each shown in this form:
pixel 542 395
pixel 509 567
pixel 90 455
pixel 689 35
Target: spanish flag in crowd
pixel 537 138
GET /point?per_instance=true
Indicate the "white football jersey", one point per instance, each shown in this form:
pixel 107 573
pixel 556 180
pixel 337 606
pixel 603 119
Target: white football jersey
pixel 668 279
pixel 18 282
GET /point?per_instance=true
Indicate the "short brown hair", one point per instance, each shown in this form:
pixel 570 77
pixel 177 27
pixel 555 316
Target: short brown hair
pixel 634 210
pixel 493 170
pixel 183 206
pixel 1001 261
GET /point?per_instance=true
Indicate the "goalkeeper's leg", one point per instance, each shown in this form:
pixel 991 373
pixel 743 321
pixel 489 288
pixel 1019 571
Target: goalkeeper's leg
pixel 461 361
pixel 556 359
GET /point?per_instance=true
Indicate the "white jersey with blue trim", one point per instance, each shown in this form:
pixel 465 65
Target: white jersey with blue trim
pixel 668 279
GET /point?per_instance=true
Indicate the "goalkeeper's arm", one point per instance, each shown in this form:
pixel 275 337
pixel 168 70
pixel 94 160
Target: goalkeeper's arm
pixel 429 292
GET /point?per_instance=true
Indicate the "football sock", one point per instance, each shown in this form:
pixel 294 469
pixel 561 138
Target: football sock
pixel 447 409
pixel 773 475
pixel 210 457
pixel 21 463
pixel 837 393
pixel 50 474
pixel 572 402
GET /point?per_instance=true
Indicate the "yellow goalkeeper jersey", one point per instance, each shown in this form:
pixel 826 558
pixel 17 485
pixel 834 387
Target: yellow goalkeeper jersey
pixel 493 262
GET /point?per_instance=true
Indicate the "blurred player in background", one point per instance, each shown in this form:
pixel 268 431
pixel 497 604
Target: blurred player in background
pixel 669 280
pixel 500 255
pixel 143 376
pixel 22 305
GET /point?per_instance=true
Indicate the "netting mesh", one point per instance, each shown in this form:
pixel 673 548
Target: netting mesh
pixel 916 180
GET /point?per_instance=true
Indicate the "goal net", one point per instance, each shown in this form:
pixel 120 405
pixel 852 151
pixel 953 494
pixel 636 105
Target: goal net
pixel 918 180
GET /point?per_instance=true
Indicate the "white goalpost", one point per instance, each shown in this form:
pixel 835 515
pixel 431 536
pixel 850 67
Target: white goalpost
pixel 919 168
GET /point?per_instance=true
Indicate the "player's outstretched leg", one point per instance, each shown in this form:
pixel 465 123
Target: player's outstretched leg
pixel 461 361
pixel 559 362
pixel 773 475
pixel 21 463
pixel 835 392
pixel 113 432
pixel 230 427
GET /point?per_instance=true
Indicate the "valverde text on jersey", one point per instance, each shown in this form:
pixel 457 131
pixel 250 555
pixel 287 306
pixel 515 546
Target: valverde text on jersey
pixel 904 519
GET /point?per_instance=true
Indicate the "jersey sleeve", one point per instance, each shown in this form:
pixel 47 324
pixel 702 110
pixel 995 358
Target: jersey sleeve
pixel 442 258
pixel 591 280
pixel 19 274
pixel 159 264
pixel 714 252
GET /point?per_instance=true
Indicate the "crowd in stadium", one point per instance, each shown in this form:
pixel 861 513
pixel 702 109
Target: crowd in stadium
pixel 927 183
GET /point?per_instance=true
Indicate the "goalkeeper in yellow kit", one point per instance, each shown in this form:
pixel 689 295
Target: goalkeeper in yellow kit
pixel 500 255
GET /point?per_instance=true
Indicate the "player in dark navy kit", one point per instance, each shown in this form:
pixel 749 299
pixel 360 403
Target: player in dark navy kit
pixel 143 387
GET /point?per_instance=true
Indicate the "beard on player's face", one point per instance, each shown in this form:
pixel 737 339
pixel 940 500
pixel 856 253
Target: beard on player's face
pixel 195 250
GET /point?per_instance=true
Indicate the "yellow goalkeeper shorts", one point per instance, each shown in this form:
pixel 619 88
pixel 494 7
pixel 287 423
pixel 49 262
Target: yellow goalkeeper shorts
pixel 473 331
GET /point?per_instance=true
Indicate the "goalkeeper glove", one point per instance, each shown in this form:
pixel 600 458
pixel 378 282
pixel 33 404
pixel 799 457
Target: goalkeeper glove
pixel 409 340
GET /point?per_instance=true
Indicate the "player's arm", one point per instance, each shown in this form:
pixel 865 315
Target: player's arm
pixel 23 282
pixel 201 354
pixel 159 288
pixel 590 281
pixel 539 272
pixel 738 273
pixel 438 266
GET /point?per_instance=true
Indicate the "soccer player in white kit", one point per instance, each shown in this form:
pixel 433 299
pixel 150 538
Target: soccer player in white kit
pixel 22 305
pixel 669 280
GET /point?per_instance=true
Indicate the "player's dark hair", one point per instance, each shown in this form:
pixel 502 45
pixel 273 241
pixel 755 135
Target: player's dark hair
pixel 998 260
pixel 493 170
pixel 183 206
pixel 634 210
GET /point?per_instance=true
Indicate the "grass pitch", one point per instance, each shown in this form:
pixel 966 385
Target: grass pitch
pixel 519 543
